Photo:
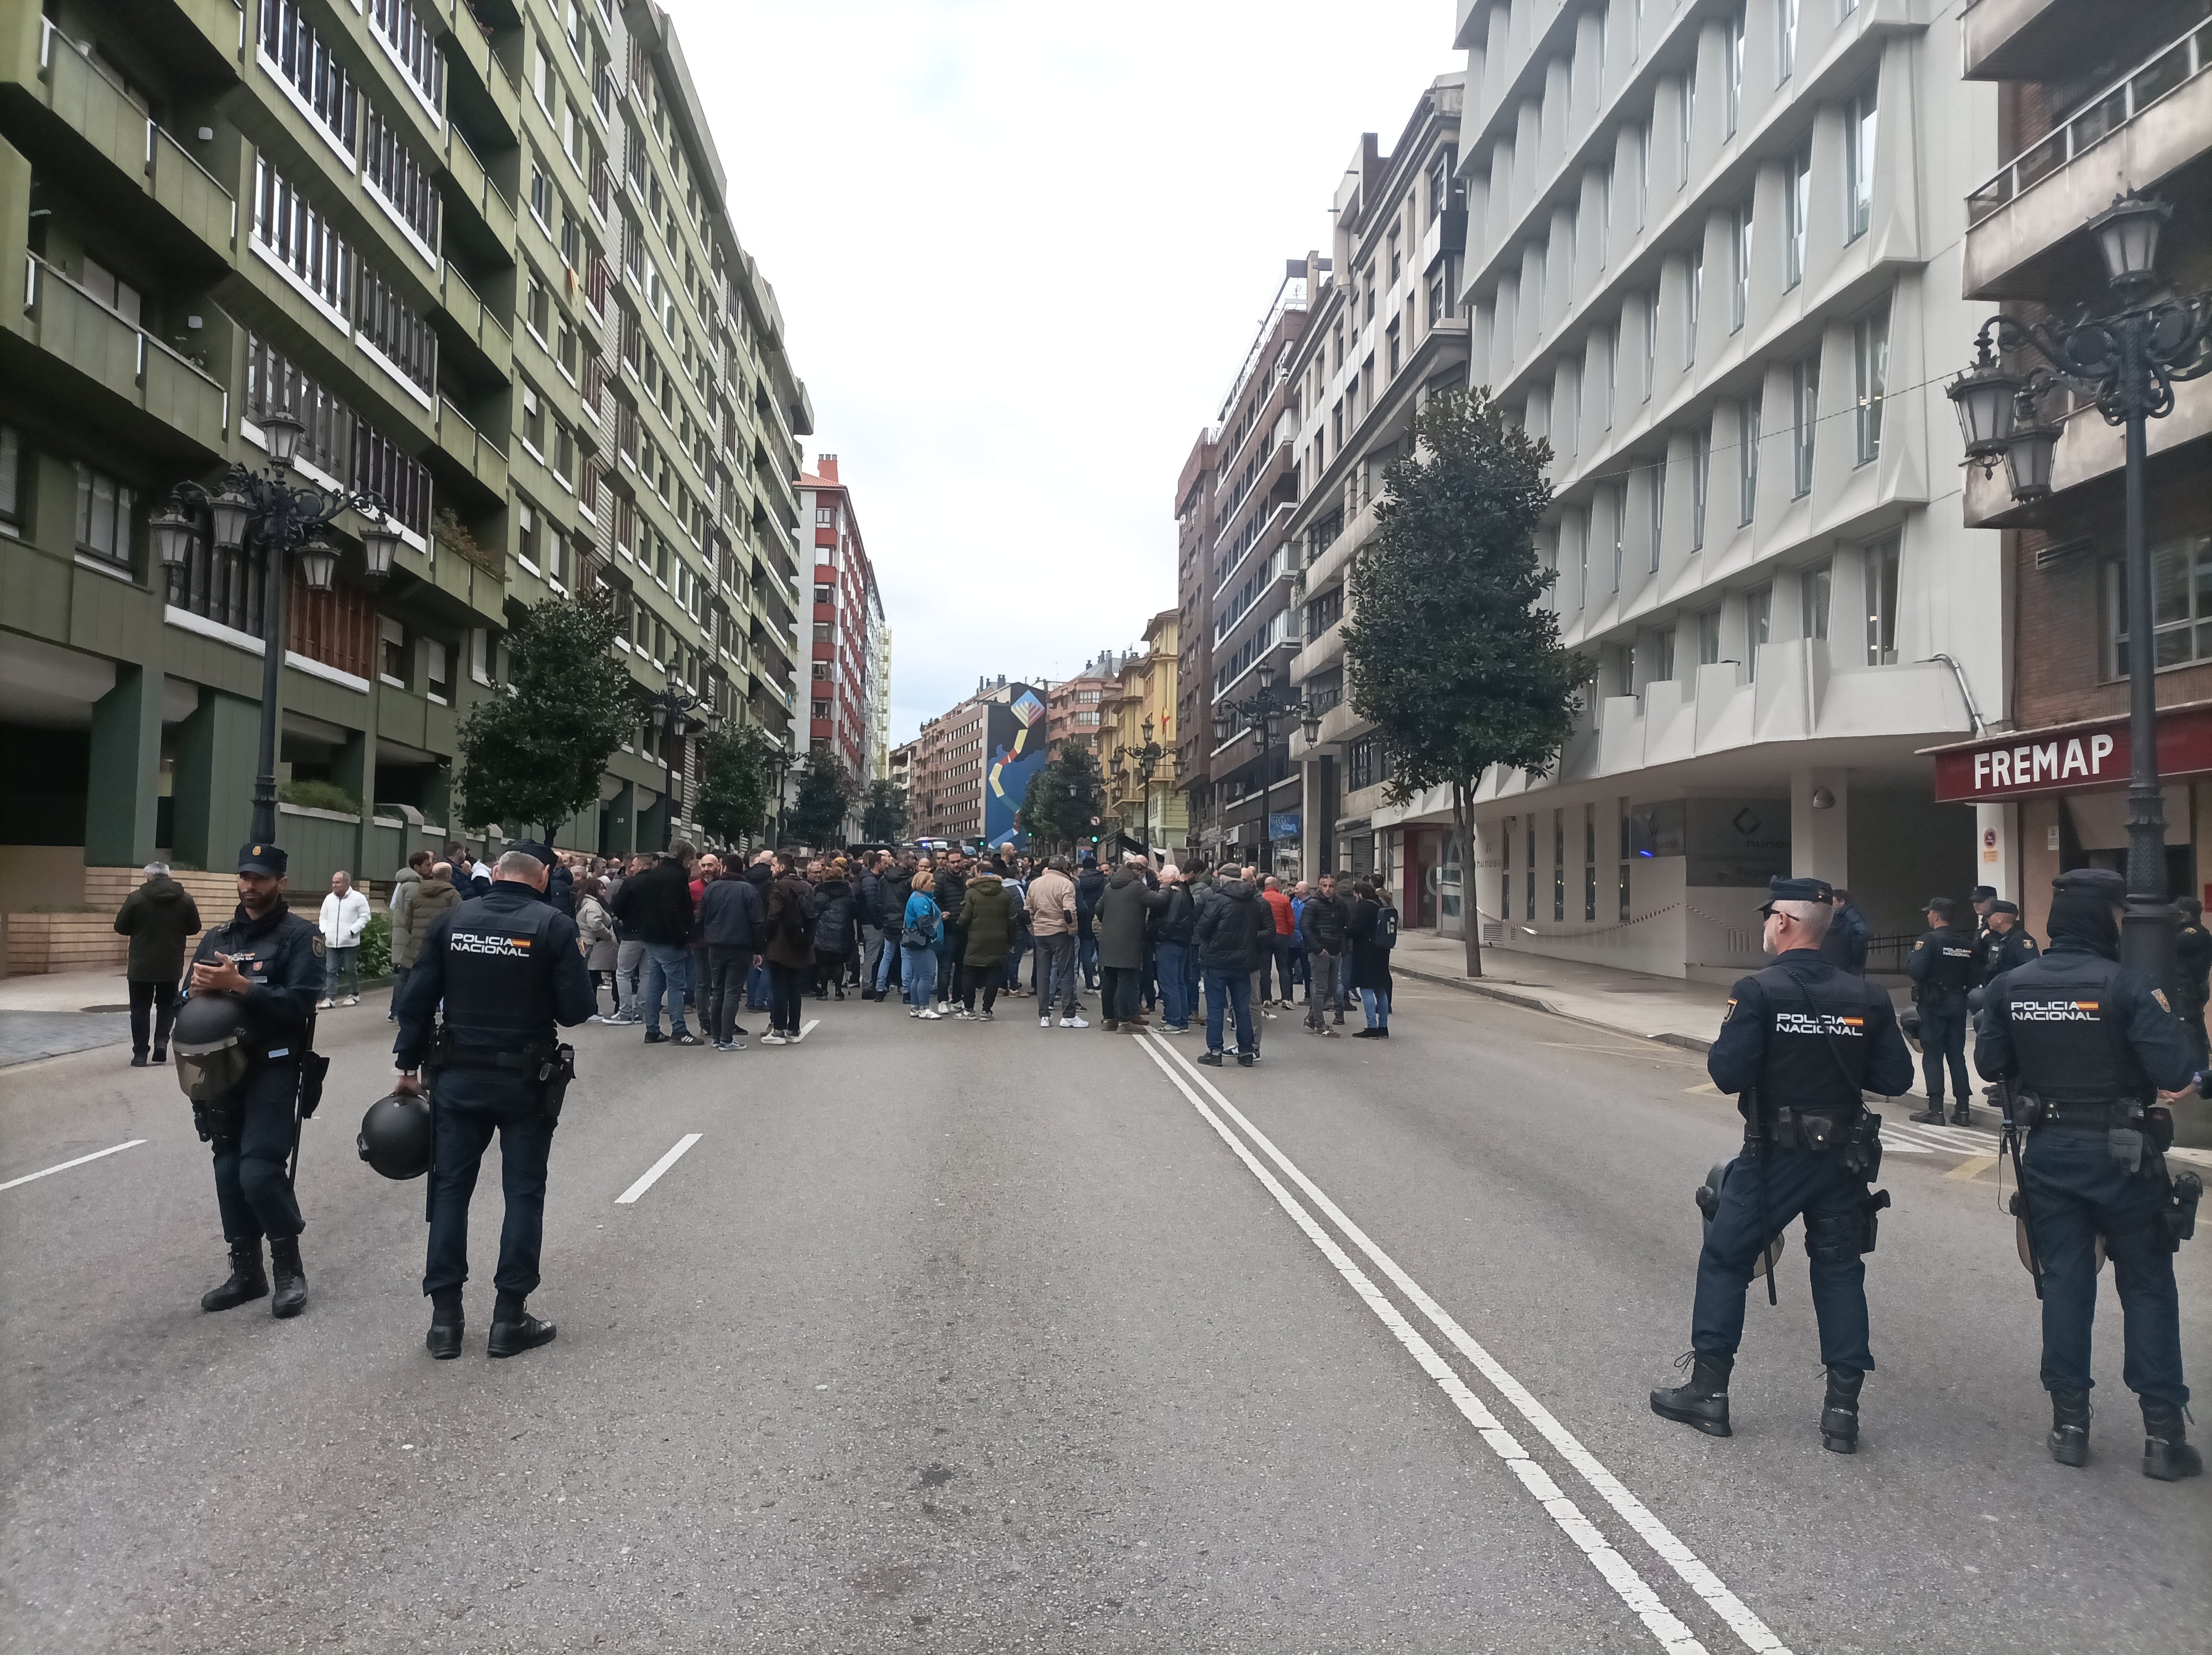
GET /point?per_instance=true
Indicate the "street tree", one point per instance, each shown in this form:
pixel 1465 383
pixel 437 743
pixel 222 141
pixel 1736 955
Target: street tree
pixel 825 794
pixel 882 817
pixel 1062 798
pixel 734 781
pixel 532 753
pixel 1448 650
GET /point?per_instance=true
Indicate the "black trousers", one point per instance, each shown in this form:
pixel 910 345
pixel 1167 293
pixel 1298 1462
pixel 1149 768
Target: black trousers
pixel 1943 1035
pixel 829 970
pixel 251 1187
pixel 2188 1005
pixel 727 971
pixel 988 976
pixel 785 984
pixel 1118 998
pixel 463 1132
pixel 158 998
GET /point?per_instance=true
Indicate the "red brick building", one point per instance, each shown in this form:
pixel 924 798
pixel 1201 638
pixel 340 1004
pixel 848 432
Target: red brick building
pixel 847 615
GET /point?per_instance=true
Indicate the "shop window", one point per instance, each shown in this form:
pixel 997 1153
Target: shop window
pixel 1558 867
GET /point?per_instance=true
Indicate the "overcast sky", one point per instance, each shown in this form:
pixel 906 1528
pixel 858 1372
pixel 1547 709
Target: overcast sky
pixel 1021 249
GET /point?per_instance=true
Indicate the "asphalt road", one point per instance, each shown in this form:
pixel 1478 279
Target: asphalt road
pixel 978 1337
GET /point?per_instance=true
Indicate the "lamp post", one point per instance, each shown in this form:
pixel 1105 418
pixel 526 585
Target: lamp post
pixel 671 711
pixel 781 763
pixel 1259 713
pixel 265 512
pixel 2126 361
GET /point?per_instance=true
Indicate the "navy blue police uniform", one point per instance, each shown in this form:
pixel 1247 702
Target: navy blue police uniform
pixel 2087 1046
pixel 253 1130
pixel 507 968
pixel 1801 1041
pixel 1941 966
pixel 2193 987
pixel 2000 952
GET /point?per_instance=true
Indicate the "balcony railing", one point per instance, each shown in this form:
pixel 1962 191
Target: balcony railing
pixel 2169 69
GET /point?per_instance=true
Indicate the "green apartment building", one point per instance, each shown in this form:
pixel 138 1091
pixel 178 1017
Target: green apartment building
pixel 481 249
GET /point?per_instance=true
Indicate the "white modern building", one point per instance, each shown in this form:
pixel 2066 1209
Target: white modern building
pixel 1714 258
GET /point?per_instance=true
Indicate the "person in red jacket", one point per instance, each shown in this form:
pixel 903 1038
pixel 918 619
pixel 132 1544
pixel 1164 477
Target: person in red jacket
pixel 1278 951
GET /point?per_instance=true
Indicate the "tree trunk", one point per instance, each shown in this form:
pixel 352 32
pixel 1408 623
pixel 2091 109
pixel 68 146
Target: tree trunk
pixel 1470 917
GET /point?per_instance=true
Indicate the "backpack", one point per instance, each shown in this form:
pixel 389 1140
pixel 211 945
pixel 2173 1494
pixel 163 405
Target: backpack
pixel 1382 930
pixel 798 924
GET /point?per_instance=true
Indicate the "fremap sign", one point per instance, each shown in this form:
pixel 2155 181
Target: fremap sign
pixel 2081 757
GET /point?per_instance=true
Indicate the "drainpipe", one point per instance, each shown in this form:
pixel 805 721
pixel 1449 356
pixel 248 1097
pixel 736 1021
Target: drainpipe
pixel 1965 694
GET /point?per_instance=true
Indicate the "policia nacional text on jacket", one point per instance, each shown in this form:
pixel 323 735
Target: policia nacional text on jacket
pixel 507 968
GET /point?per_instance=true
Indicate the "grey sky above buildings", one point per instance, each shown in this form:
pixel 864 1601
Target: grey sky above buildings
pixel 1020 251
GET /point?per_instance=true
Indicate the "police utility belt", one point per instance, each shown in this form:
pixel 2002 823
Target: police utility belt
pixel 1828 1127
pixel 550 1067
pixel 2100 1115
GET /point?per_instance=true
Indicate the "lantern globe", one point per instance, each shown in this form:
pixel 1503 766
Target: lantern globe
pixel 2127 234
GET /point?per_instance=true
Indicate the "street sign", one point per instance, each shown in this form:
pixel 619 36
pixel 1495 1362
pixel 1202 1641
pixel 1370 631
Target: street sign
pixel 1094 821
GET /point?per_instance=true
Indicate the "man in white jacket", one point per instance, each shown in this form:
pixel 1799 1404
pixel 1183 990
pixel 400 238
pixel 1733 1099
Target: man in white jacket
pixel 346 916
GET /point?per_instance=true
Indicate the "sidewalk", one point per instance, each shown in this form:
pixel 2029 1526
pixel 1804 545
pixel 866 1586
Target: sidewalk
pixel 1670 1010
pixel 46 1015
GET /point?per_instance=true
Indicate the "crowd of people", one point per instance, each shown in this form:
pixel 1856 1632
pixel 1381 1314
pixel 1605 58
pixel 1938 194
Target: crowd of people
pixel 695 935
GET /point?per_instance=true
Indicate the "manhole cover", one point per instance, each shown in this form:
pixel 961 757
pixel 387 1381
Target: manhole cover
pixel 1746 822
pixel 103 1008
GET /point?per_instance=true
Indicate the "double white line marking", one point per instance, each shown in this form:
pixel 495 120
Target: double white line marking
pixel 1673 1634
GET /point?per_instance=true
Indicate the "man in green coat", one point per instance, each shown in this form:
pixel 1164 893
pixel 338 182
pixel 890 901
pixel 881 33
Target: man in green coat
pixel 987 910
pixel 157 917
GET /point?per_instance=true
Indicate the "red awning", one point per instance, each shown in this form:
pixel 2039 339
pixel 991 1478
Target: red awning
pixel 2070 758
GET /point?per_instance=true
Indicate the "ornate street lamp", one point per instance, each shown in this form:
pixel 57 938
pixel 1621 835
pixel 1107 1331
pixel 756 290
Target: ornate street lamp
pixel 2126 361
pixel 1261 713
pixel 265 511
pixel 673 715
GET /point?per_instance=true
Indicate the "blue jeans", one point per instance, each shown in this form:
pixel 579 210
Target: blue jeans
pixel 341 971
pixel 2078 1192
pixel 1805 1181
pixel 1056 973
pixel 1174 966
pixel 756 988
pixel 1229 988
pixel 1376 1002
pixel 888 967
pixel 920 965
pixel 1087 959
pixel 667 970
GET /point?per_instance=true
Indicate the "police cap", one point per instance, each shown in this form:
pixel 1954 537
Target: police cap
pixel 1780 890
pixel 1942 907
pixel 1984 893
pixel 2100 882
pixel 543 853
pixel 260 859
pixel 2012 907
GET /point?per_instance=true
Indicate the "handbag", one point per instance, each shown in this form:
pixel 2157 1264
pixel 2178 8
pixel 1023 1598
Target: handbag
pixel 918 936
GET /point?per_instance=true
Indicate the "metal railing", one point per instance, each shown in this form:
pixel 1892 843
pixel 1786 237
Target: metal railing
pixel 2170 68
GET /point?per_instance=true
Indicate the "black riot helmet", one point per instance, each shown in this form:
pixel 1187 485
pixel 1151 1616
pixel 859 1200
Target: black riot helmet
pixel 210 1037
pixel 395 1136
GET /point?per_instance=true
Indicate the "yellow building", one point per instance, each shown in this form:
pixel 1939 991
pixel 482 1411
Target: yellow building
pixel 1137 752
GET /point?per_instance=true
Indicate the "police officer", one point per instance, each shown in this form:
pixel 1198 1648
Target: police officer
pixel 270 960
pixel 2192 959
pixel 2005 944
pixel 1941 967
pixel 1800 1042
pixel 2088 1047
pixel 507 968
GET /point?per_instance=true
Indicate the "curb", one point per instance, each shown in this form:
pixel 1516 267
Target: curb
pixel 1535 1003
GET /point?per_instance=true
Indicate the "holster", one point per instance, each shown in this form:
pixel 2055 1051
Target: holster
pixel 314 1069
pixel 2177 1217
pixel 218 1119
pixel 554 1075
pixel 1838 1237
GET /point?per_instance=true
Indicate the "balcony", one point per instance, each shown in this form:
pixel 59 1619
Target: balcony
pixel 2089 449
pixel 469 187
pixel 469 325
pixel 2146 126
pixel 474 454
pixel 167 404
pixel 2030 40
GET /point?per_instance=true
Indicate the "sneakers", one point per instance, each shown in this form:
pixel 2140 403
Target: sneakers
pixel 1045 1022
pixel 1246 1059
pixel 931 1017
pixel 1211 1059
pixel 654 1038
pixel 1326 1032
pixel 773 1038
pixel 1074 1023
pixel 352 1000
pixel 1110 1025
pixel 964 1015
pixel 914 1011
pixel 684 1037
pixel 729 1045
pixel 944 1007
pixel 325 1005
pixel 987 1017
pixel 1175 1028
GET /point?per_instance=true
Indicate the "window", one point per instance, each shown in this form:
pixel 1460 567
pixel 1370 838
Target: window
pixel 823 594
pixel 541 193
pixel 391 651
pixel 822 710
pixel 1391 333
pixel 1604 213
pixel 437 672
pixel 1643 170
pixel 1859 162
pixel 1686 99
pixel 1558 866
pixel 1590 862
pixel 1747 465
pixel 1650 342
pixel 1615 500
pixel 1397 263
pixel 1796 200
pixel 1656 498
pixel 1870 376
pixel 405 183
pixel 11 475
pixel 1734 103
pixel 1881 560
pixel 821 670
pixel 525 536
pixel 1812 601
pixel 1786 39
pixel 1804 403
pixel 1579 527
pixel 103 515
pixel 1612 371
pixel 395 330
pixel 537 308
pixel 1662 657
pixel 290 45
pixel 298 236
pixel 1758 621
pixel 413 46
pixel 1708 637
pixel 1740 288
pixel 821 631
pixel 533 422
pixel 1701 466
pixel 1693 302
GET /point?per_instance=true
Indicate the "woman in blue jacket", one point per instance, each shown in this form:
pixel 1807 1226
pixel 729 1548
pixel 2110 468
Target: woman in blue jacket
pixel 923 918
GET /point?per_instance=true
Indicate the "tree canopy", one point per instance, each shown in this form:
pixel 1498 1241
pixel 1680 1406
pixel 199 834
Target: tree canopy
pixel 1449 648
pixel 1063 797
pixel 883 815
pixel 825 794
pixel 734 766
pixel 532 751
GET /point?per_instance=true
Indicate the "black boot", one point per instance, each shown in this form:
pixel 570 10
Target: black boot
pixel 2167 1454
pixel 1931 1116
pixel 1839 1414
pixel 1702 1401
pixel 514 1330
pixel 1962 1113
pixel 445 1335
pixel 2070 1427
pixel 246 1280
pixel 291 1278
